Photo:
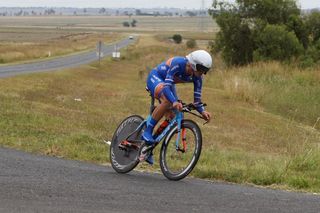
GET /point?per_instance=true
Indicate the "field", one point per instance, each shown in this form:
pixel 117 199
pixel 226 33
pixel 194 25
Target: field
pixel 29 38
pixel 144 23
pixel 265 129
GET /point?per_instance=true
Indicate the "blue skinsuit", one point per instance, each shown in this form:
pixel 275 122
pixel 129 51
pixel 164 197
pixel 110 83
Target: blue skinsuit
pixel 163 78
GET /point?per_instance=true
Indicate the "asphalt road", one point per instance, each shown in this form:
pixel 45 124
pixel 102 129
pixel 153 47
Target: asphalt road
pixel 61 62
pixel 34 183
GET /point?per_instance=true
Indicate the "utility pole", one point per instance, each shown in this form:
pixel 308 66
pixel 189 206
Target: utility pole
pixel 202 15
pixel 99 51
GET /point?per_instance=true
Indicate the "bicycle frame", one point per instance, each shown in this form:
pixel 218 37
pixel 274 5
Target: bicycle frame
pixel 176 120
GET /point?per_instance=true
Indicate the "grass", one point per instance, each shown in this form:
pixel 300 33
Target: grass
pixel 283 90
pixel 69 113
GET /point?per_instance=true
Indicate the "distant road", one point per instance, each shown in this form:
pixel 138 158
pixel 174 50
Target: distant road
pixel 61 62
pixel 34 183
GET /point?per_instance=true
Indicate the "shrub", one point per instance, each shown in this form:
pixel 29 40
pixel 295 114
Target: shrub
pixel 177 38
pixel 126 24
pixel 306 61
pixel 191 43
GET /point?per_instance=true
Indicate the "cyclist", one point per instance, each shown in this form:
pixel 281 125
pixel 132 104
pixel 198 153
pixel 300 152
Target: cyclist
pixel 161 83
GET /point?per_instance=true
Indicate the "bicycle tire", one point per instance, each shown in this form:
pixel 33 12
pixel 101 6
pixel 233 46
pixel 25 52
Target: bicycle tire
pixel 125 161
pixel 168 168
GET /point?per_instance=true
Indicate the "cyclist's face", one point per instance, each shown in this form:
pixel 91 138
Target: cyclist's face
pixel 197 73
pixel 189 69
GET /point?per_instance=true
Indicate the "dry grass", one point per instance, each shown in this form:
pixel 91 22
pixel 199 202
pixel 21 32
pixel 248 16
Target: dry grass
pixel 31 48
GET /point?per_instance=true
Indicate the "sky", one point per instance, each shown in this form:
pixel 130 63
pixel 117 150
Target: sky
pixel 183 4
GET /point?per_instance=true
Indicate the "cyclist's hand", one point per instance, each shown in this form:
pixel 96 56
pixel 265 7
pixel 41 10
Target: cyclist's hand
pixel 206 115
pixel 177 105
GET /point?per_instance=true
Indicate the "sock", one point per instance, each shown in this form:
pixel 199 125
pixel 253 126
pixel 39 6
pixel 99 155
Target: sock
pixel 150 125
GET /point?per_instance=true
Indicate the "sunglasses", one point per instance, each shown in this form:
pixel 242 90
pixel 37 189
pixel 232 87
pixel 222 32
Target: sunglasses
pixel 202 69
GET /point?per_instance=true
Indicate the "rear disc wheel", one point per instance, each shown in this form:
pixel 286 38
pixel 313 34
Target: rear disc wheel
pixel 123 160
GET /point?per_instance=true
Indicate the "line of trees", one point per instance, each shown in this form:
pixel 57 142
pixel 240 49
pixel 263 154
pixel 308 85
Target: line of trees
pixel 266 30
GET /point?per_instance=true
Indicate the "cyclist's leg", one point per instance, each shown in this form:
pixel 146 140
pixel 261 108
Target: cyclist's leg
pixel 155 85
pixel 162 109
pixel 157 114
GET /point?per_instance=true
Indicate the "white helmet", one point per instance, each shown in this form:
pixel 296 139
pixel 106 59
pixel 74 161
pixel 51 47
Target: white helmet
pixel 200 60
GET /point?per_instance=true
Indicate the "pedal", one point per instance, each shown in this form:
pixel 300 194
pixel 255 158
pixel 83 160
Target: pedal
pixel 145 151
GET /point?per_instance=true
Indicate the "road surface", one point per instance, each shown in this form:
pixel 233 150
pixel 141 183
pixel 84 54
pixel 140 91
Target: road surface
pixel 61 62
pixel 34 183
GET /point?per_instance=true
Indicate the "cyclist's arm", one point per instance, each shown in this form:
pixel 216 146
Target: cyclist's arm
pixel 169 88
pixel 174 91
pixel 197 92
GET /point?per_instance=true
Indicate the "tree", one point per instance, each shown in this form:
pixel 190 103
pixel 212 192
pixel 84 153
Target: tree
pixel 102 10
pixel 299 27
pixel 234 39
pixel 133 23
pixel 275 42
pixel 190 13
pixel 49 12
pixel 242 26
pixel 177 38
pixel 313 25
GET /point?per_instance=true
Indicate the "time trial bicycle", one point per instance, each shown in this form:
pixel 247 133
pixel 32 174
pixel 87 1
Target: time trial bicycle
pixel 180 150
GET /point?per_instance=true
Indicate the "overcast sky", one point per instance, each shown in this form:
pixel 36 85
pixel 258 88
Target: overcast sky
pixel 189 4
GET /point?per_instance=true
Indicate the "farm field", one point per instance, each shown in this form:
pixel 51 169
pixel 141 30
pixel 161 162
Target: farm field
pixel 30 38
pixel 144 23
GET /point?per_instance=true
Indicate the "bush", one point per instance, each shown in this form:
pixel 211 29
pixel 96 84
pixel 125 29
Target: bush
pixel 314 51
pixel 306 62
pixel 276 43
pixel 126 24
pixel 177 38
pixel 134 23
pixel 191 43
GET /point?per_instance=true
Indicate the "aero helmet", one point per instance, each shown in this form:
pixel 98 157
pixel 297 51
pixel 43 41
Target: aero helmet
pixel 200 60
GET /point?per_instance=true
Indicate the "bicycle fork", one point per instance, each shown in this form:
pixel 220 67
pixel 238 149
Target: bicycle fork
pixel 183 132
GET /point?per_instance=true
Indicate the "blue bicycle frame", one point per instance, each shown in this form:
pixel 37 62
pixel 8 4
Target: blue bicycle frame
pixel 176 120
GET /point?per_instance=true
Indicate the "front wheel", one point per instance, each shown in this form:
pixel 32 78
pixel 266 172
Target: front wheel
pixel 124 160
pixel 177 162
